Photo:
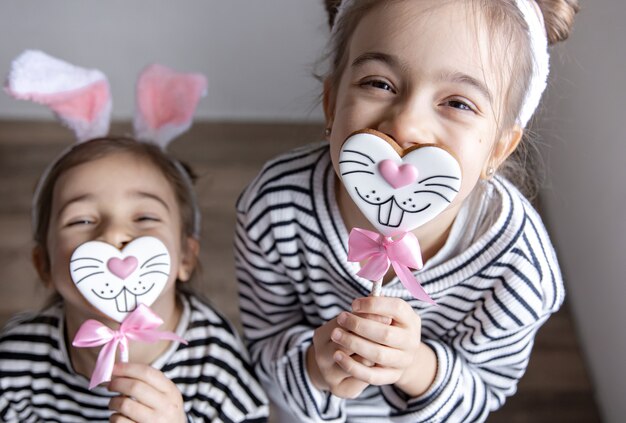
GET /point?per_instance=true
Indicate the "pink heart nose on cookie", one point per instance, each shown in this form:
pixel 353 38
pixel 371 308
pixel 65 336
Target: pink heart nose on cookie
pixel 122 268
pixel 397 176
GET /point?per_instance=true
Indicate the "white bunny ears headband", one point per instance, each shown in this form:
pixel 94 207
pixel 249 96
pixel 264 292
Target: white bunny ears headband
pixel 80 98
pixel 539 48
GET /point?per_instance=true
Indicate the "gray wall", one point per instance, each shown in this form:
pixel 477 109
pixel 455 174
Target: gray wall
pixel 583 127
pixel 257 54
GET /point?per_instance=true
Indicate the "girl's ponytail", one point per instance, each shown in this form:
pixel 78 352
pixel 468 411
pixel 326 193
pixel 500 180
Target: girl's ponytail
pixel 558 16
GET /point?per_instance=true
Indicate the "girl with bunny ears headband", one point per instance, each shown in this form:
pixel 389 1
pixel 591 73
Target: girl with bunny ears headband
pixel 81 100
pixel 117 232
pixel 424 101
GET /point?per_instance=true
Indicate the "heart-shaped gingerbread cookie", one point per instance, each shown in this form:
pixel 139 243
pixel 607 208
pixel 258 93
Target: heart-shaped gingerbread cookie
pixel 116 282
pixel 397 190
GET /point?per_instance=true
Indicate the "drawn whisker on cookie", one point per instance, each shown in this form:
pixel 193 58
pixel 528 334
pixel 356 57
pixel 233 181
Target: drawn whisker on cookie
pixel 86 258
pixel 360 154
pixel 88 276
pixel 443 186
pixel 438 176
pixel 355 162
pixel 85 267
pixel 152 258
pixel 432 192
pixel 357 171
pixel 157 264
pixel 152 271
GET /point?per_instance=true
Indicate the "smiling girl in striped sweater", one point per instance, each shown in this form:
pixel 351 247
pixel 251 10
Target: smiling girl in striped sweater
pixel 464 75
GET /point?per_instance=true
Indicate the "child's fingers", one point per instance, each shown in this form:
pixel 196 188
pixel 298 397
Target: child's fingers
pixel 144 373
pixel 379 354
pixel 395 308
pixel 118 418
pixel 137 389
pixel 371 375
pixel 362 360
pixel 385 320
pixel 391 336
pixel 131 409
pixel 349 388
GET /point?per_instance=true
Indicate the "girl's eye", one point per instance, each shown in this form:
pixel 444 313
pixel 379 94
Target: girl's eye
pixel 458 104
pixel 79 222
pixel 147 219
pixel 378 84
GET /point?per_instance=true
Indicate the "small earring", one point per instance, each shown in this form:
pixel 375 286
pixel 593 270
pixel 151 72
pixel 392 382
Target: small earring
pixel 490 171
pixel 327 132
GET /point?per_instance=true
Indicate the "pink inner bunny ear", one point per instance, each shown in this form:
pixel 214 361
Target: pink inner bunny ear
pixel 80 98
pixel 166 102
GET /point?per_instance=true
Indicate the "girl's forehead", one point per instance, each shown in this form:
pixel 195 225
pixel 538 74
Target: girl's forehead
pixel 410 28
pixel 428 38
pixel 112 175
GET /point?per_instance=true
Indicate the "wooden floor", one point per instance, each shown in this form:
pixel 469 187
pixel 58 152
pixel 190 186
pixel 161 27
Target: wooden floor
pixel 555 388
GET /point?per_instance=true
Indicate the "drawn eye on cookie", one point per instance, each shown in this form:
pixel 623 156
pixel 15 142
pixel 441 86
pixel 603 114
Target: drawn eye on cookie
pixel 116 282
pixel 396 190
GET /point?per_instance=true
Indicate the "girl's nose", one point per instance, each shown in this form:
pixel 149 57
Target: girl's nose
pixel 409 125
pixel 117 235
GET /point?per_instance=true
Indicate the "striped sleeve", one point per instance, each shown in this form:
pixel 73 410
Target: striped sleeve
pixel 213 371
pixel 488 350
pixel 35 381
pixel 276 328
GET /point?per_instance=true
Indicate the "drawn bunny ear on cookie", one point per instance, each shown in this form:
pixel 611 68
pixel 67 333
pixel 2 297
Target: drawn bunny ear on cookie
pixel 80 98
pixel 166 102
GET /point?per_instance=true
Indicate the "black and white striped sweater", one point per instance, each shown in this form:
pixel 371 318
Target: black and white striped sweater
pixel 492 295
pixel 37 383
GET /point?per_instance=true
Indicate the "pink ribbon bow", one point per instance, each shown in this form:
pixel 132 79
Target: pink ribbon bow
pixel 140 325
pixel 402 252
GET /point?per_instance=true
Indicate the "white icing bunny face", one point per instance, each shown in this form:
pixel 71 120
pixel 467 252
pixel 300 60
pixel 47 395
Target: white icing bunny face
pixel 116 282
pixel 114 201
pixel 397 194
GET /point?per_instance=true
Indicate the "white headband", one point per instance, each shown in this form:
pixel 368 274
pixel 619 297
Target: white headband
pixel 541 58
pixel 539 48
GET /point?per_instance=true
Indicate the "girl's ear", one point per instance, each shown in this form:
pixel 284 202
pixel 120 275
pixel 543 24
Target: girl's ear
pixel 328 103
pixel 503 148
pixel 42 265
pixel 188 259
